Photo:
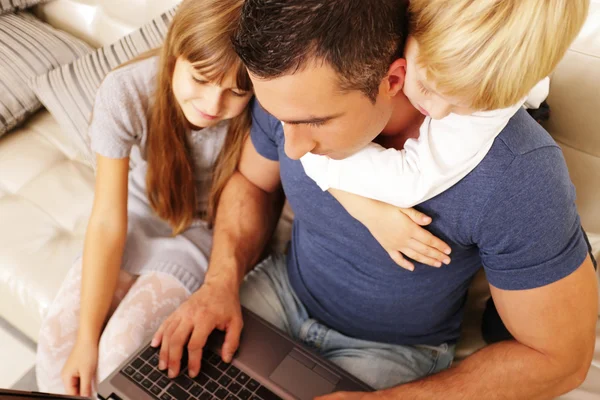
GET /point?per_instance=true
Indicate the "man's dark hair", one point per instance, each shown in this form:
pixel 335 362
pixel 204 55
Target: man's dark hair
pixel 358 38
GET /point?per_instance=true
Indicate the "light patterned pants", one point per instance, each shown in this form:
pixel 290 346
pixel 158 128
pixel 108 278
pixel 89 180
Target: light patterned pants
pixel 139 306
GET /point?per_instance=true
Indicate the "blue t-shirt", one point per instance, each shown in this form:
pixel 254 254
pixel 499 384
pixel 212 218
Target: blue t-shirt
pixel 514 214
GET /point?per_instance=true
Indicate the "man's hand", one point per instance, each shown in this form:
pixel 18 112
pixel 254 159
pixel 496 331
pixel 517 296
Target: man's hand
pixel 216 305
pixel 246 217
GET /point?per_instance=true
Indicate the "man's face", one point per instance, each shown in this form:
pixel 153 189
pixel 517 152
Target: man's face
pixel 318 117
pixel 423 94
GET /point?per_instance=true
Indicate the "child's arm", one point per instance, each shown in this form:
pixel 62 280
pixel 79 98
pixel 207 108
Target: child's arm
pixel 104 244
pixel 445 152
pixel 103 250
pixel 399 231
pixel 113 130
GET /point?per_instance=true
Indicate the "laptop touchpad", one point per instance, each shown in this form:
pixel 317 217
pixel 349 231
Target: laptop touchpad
pixel 299 380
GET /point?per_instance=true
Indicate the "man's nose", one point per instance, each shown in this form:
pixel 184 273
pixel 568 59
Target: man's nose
pixel 297 142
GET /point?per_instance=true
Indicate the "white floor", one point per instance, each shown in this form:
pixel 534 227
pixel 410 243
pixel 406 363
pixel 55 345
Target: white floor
pixel 15 359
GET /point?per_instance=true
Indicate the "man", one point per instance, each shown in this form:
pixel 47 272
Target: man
pixel 331 71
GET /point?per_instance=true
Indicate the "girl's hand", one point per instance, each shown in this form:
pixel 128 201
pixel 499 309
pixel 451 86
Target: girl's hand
pixel 79 373
pixel 398 230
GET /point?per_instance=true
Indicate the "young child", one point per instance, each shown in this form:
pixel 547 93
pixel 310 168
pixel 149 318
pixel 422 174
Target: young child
pixel 149 239
pixel 445 152
pixel 469 68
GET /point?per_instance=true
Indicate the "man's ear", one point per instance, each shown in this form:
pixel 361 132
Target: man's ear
pixel 394 80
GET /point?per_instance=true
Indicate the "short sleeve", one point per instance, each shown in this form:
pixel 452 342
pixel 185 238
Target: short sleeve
pixel 529 234
pixel 264 132
pixel 118 118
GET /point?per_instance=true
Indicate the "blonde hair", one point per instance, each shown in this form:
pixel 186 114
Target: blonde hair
pixel 493 51
pixel 200 33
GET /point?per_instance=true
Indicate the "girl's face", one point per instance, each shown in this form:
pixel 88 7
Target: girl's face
pixel 206 103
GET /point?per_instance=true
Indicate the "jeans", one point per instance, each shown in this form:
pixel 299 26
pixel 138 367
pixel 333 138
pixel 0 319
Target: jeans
pixel 267 292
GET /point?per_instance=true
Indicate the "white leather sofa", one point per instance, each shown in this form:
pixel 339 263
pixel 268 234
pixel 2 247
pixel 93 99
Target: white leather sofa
pixel 46 189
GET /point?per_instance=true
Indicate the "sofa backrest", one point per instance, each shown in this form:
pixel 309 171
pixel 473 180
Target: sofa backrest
pixel 575 117
pixel 101 22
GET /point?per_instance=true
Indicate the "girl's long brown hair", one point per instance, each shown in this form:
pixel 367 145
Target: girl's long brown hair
pixel 200 33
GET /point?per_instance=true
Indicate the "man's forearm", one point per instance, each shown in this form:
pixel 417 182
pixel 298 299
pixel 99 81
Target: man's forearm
pixel 246 218
pixel 506 370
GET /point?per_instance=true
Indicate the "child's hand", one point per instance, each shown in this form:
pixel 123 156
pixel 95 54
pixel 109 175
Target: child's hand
pixel 398 230
pixel 79 373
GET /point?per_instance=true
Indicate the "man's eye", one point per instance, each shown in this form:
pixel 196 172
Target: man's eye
pixel 316 124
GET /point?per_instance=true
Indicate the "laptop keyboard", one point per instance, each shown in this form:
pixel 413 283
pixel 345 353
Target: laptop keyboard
pixel 216 381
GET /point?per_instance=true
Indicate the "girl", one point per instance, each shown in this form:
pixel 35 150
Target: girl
pixel 148 239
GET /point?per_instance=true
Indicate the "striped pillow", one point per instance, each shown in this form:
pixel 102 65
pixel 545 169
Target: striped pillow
pixel 12 5
pixel 29 47
pixel 68 92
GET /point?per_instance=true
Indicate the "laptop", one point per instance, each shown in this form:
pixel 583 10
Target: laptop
pixel 268 366
pixel 6 394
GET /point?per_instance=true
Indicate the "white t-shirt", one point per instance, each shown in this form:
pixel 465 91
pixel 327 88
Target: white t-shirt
pixel 444 153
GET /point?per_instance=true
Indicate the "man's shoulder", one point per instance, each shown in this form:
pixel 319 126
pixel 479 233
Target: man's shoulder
pixel 266 131
pixel 528 230
pixel 523 135
pixel 523 149
pixel 268 124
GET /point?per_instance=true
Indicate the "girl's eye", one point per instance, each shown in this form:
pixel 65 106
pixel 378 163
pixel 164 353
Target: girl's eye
pixel 200 81
pixel 239 94
pixel 423 89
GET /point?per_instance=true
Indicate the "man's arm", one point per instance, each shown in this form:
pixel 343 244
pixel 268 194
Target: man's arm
pixel 554 327
pixel 248 211
pixel 247 214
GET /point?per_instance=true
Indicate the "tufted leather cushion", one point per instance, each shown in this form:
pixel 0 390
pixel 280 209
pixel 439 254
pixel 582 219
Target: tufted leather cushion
pixel 45 199
pixel 29 47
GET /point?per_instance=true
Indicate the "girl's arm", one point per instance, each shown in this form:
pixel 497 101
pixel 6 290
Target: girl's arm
pixel 104 243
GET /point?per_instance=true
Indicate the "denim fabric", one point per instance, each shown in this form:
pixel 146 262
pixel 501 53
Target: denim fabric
pixel 267 292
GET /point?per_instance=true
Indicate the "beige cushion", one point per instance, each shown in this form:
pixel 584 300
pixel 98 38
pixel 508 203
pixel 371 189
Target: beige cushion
pixel 29 47
pixel 13 5
pixel 102 22
pixel 68 91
